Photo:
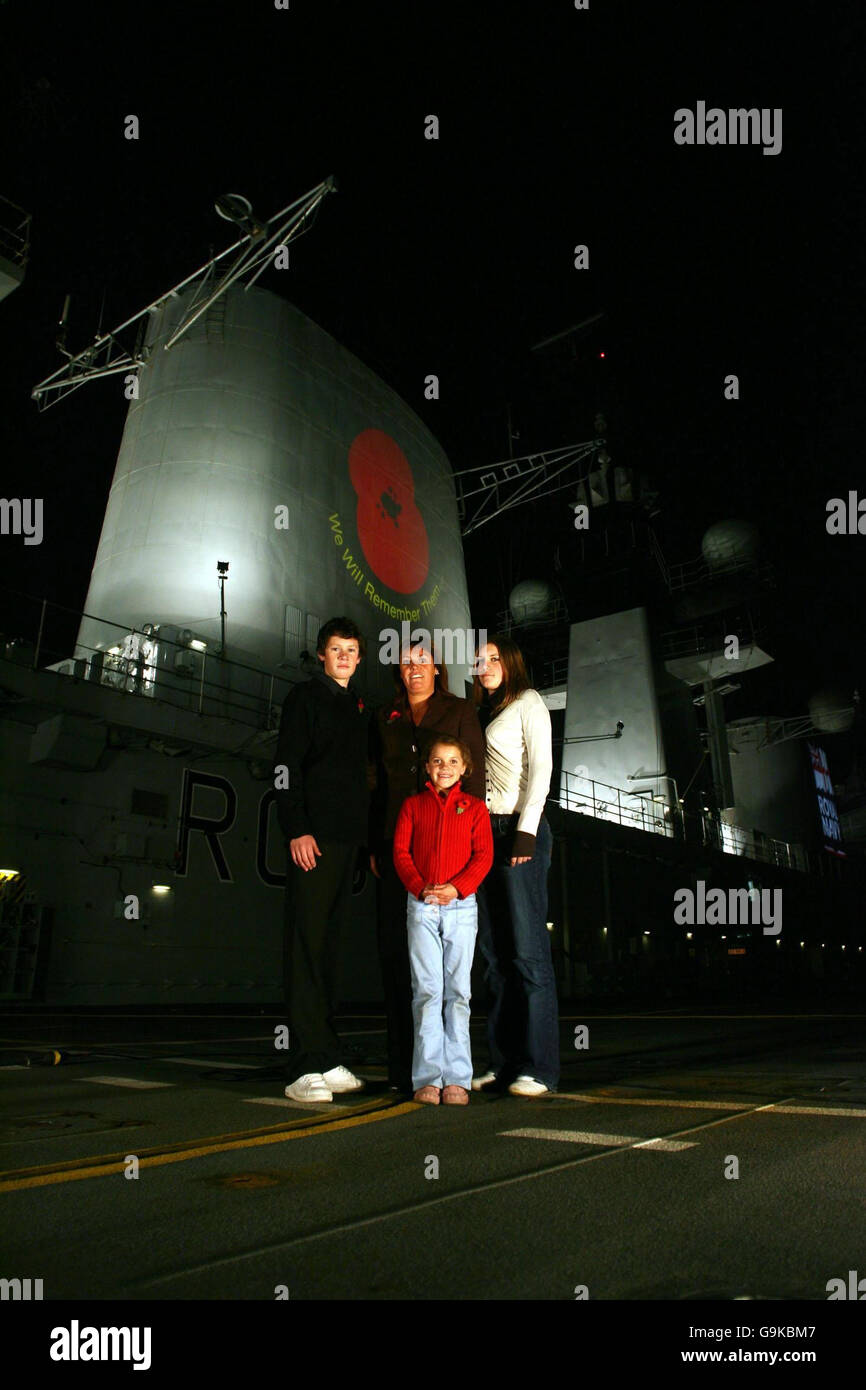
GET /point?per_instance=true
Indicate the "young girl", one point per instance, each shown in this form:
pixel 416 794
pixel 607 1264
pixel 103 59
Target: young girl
pixel 443 847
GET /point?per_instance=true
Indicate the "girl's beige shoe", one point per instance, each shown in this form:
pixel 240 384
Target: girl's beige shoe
pixel 428 1095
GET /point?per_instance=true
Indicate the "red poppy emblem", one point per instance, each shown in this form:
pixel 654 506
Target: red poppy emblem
pixel 390 527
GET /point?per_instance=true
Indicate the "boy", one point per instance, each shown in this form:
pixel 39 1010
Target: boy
pixel 322 812
pixel 443 848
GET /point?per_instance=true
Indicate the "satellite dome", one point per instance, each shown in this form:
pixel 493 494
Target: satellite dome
pixel 729 543
pixel 532 601
pixel 831 711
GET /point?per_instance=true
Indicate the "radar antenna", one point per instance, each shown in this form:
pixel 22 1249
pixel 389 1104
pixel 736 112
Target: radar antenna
pixel 494 488
pixel 109 355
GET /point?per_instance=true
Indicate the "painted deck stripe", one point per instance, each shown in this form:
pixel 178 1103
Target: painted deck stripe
pixel 211 1062
pixel 582 1136
pixel 668 1146
pixel 642 1100
pixel 731 1105
pixel 134 1083
pixel 843 1110
pixel 310 1106
pixel 570 1136
pixel 76 1170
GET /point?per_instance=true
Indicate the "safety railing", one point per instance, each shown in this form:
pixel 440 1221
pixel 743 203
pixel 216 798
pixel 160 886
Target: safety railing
pixel 165 664
pixel 605 802
pixel 14 233
pixel 657 815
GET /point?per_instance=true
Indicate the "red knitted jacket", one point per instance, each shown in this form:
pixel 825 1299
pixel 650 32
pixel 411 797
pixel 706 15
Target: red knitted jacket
pixel 443 841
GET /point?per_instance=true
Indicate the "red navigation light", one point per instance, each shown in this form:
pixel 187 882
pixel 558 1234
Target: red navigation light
pixel 601 354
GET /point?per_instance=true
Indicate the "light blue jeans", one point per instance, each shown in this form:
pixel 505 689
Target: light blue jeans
pixel 441 947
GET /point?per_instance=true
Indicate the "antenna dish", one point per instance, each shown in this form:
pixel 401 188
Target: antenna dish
pixel 832 711
pixel 234 208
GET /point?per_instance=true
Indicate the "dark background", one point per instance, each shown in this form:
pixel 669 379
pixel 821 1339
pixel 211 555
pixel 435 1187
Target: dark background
pixel 454 257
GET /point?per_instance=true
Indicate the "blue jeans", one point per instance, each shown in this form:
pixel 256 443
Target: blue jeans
pixel 441 947
pixel 523 1016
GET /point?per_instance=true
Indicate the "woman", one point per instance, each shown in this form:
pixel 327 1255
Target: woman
pixel 403 732
pixel 523 1019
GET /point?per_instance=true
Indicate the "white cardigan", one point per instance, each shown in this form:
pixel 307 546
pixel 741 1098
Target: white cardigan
pixel 519 760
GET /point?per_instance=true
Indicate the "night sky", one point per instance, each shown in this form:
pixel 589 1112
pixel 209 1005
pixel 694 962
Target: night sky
pixel 455 256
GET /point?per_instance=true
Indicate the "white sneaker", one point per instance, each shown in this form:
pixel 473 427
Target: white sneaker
pixel 340 1079
pixel 479 1082
pixel 527 1086
pixel 310 1087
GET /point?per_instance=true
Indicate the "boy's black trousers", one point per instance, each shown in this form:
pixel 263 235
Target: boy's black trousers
pixel 317 903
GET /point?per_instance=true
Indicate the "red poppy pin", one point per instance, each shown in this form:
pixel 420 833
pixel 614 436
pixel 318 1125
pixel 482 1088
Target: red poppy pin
pixel 395 714
pixel 360 705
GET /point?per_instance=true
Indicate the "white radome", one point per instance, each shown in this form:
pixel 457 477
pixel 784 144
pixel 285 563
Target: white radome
pixel 531 601
pixel 730 542
pixel 831 711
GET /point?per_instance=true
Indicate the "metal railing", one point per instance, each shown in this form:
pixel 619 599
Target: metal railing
pixel 553 673
pixel 735 839
pixel 14 233
pixel 658 816
pixel 160 665
pixel 708 639
pixel 553 614
pixel 605 802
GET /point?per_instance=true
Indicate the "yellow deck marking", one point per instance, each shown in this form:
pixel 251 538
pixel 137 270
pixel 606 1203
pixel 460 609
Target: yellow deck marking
pixel 105 1164
pixel 858 1112
pixel 476 1189
pixel 593 1099
pixel 134 1083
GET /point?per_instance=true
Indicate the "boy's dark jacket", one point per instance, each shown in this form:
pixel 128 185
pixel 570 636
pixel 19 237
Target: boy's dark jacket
pixel 399 753
pixel 323 741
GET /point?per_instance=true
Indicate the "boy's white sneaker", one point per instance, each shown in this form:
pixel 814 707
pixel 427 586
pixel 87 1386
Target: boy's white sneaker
pixel 310 1087
pixel 479 1082
pixel 527 1086
pixel 340 1080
